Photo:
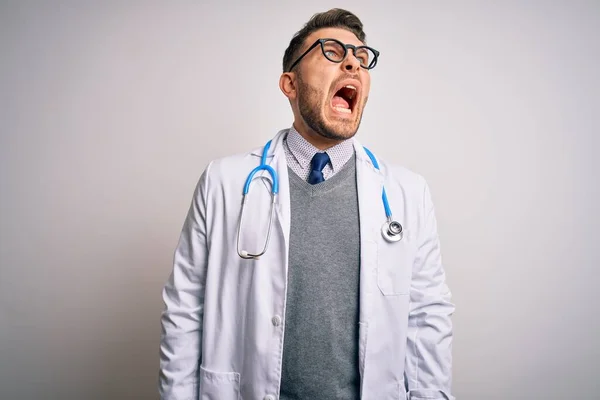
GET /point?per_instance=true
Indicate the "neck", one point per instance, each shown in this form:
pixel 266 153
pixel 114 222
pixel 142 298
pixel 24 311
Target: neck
pixel 312 137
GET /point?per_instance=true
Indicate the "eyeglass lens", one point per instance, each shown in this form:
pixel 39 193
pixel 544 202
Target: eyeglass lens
pixel 334 51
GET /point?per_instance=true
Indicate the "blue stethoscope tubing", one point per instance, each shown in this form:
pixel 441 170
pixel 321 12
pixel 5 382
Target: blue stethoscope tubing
pixel 391 230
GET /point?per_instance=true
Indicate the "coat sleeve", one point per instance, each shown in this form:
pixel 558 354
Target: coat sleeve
pixel 183 295
pixel 428 369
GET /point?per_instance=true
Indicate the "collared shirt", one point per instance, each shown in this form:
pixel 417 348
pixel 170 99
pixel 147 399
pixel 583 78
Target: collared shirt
pixel 299 153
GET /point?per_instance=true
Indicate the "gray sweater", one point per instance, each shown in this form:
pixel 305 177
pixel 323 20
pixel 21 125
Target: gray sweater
pixel 320 348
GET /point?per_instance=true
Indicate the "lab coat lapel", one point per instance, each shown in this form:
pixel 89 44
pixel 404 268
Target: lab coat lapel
pixel 276 158
pixel 372 215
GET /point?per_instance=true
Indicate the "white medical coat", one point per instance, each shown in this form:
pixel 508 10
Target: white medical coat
pixel 223 325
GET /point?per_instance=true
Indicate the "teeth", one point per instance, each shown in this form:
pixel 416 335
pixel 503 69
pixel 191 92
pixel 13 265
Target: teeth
pixel 353 91
pixel 344 110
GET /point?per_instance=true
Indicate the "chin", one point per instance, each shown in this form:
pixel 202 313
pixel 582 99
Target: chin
pixel 342 128
pixel 339 131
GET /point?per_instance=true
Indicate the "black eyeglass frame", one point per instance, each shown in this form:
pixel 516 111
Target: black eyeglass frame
pixel 321 42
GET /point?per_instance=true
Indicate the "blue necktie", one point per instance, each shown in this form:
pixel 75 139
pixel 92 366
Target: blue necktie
pixel 319 161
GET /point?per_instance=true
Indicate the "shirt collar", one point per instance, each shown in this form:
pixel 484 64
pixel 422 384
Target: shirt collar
pixel 303 151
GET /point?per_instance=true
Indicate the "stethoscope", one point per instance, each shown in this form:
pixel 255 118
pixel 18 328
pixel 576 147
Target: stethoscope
pixel 391 230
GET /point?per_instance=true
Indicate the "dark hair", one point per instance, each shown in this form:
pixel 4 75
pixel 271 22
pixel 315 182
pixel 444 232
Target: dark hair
pixel 334 18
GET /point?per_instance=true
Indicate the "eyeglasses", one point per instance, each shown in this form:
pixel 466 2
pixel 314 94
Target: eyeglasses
pixel 336 51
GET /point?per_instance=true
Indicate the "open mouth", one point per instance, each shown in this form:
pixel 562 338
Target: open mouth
pixel 345 99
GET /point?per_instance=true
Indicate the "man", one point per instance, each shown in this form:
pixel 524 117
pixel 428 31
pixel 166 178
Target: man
pixel 321 302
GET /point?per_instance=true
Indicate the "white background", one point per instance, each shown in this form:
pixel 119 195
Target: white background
pixel 109 112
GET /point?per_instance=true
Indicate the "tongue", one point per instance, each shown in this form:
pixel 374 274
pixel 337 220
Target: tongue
pixel 339 102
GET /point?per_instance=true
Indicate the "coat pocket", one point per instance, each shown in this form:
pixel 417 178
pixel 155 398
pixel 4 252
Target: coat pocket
pixel 394 267
pixel 219 385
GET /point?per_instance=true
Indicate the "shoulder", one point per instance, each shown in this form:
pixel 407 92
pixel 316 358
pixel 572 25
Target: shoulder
pixel 392 173
pixel 409 180
pixel 404 176
pixel 227 171
pixel 227 166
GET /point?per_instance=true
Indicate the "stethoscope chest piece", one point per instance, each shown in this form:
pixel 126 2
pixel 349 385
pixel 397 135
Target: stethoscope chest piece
pixel 392 231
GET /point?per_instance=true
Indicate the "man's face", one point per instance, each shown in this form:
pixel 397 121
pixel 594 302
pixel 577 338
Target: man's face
pixel 331 96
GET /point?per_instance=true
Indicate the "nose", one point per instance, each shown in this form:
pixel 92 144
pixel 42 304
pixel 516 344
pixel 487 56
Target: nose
pixel 351 63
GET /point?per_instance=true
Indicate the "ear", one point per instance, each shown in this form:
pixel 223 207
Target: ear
pixel 287 84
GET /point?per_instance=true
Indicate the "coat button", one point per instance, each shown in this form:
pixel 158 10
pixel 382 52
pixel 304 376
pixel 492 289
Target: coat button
pixel 276 320
pixel 269 397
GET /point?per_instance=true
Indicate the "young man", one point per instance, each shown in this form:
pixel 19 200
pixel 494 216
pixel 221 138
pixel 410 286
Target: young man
pixel 311 293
